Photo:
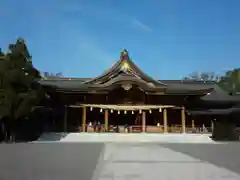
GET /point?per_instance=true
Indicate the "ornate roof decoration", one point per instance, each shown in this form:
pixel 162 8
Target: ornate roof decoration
pixel 125 66
pixel 124 55
pixel 124 58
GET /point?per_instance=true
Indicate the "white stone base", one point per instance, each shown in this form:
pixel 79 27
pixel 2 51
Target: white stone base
pixel 119 137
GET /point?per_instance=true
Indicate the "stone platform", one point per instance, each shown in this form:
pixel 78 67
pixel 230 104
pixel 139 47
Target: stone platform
pixel 128 137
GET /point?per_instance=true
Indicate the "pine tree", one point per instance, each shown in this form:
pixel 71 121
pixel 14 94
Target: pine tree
pixel 20 91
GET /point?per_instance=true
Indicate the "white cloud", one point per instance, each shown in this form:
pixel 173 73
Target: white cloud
pixel 140 25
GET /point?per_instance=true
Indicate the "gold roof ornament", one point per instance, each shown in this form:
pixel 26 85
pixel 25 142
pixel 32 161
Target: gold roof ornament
pixel 125 65
pixel 124 55
pixel 124 52
pixel 20 40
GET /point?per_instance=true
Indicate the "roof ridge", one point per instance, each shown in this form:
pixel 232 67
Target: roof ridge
pixel 124 63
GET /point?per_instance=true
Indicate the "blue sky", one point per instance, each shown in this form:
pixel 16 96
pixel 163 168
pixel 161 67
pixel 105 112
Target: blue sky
pixel 167 39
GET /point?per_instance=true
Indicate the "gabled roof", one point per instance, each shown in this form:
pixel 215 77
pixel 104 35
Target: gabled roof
pixel 173 87
pixel 216 94
pixel 124 66
pixel 125 71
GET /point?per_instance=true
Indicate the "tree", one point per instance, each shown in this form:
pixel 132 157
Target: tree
pixel 203 76
pixel 230 81
pixel 20 91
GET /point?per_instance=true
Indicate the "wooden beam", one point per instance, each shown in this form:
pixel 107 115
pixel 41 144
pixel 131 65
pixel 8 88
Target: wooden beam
pixel 80 92
pixel 155 93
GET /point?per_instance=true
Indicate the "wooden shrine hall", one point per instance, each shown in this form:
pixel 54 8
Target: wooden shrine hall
pixel 127 98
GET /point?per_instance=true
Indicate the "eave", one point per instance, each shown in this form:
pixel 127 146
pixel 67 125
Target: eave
pixel 149 92
pixel 214 111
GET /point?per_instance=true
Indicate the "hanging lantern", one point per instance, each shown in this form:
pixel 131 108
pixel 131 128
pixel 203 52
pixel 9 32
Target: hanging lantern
pixel 91 108
pixel 140 111
pixel 101 110
pixel 132 112
pixel 150 111
pixel 160 109
pixel 118 112
pixel 125 112
pixel 111 111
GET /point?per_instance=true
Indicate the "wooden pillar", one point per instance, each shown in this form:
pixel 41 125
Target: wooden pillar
pixel 54 121
pixel 165 123
pixel 143 121
pixel 183 120
pixel 65 119
pixel 212 124
pixel 193 124
pixel 84 116
pixel 106 120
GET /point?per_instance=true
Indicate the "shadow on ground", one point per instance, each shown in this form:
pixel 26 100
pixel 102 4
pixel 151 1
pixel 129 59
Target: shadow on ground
pixel 221 155
pixel 53 161
pixel 51 137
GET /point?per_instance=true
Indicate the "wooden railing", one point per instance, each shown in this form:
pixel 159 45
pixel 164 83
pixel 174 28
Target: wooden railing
pixel 160 129
pixel 199 130
pixel 178 129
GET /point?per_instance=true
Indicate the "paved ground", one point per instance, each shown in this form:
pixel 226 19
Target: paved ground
pixel 132 161
pixel 221 155
pixel 170 162
pixel 58 161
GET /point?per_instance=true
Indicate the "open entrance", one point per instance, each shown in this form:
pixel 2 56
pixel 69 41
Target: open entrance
pixel 121 119
pixel 126 121
pixel 154 121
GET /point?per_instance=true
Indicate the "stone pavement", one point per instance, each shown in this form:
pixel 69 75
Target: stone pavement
pixel 155 161
pixel 49 161
pixel 120 161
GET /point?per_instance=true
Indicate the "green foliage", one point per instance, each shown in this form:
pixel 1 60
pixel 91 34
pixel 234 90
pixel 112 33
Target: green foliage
pixel 230 81
pixel 19 87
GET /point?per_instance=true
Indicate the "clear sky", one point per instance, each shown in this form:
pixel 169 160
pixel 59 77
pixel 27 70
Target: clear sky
pixel 167 39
